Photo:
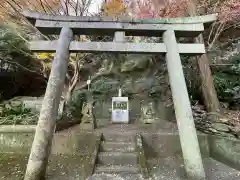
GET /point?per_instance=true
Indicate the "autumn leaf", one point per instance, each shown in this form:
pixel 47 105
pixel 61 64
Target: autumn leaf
pixel 114 8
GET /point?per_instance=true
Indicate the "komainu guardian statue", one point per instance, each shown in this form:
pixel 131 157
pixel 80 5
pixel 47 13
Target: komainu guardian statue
pixel 88 120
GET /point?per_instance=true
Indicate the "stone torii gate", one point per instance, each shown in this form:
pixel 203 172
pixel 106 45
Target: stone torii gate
pixel 67 26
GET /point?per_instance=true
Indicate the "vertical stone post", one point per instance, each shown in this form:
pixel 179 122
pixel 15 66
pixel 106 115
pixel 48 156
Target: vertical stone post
pixel 187 132
pixel 88 120
pixel 119 37
pixel 42 142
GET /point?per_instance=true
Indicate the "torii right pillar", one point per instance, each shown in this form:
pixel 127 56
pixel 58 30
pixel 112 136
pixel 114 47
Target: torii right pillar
pixel 187 131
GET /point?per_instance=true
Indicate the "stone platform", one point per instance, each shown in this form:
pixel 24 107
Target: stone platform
pixel 73 152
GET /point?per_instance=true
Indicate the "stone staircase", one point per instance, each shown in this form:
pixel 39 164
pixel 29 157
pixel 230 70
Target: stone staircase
pixel 121 155
pixel 118 156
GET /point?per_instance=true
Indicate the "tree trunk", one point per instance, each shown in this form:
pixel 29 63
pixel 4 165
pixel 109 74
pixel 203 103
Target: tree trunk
pixel 67 100
pixel 68 96
pixel 209 93
pixel 42 142
pixel 207 85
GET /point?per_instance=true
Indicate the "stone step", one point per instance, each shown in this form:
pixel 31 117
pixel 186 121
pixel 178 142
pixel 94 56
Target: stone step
pixel 117 146
pixel 119 137
pixel 162 144
pixel 114 169
pixel 118 176
pixel 117 158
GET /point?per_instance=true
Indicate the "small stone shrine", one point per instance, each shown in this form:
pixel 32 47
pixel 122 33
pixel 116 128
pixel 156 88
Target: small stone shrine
pixel 120 109
pixel 148 114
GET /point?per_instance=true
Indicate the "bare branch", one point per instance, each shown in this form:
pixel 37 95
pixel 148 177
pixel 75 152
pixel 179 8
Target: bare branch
pixel 17 4
pixel 63 7
pixel 76 8
pixel 41 3
pixel 48 6
pixel 217 34
pixel 66 4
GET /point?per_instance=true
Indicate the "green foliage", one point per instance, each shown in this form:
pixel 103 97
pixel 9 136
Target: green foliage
pixel 13 43
pixel 17 114
pixel 14 55
pixel 75 107
pixel 227 80
pixel 16 62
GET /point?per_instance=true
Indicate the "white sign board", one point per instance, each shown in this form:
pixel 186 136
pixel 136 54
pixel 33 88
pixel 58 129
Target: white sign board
pixel 120 110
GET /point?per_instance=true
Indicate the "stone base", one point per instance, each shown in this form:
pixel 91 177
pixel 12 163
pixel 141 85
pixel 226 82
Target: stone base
pixel 87 126
pixel 119 122
pixel 148 121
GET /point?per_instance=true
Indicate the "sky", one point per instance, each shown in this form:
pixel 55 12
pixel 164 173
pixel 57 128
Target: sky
pixel 95 6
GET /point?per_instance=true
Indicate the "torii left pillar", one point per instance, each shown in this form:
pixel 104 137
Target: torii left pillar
pixel 41 147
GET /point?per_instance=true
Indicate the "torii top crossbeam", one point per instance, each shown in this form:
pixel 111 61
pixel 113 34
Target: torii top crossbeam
pixel 52 24
pixel 183 27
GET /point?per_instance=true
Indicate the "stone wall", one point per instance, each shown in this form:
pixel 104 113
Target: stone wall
pixel 33 103
pixel 225 150
pixel 168 145
pixel 21 143
pixel 16 142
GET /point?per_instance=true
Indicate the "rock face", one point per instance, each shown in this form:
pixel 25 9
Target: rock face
pixel 222 126
pixel 143 79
